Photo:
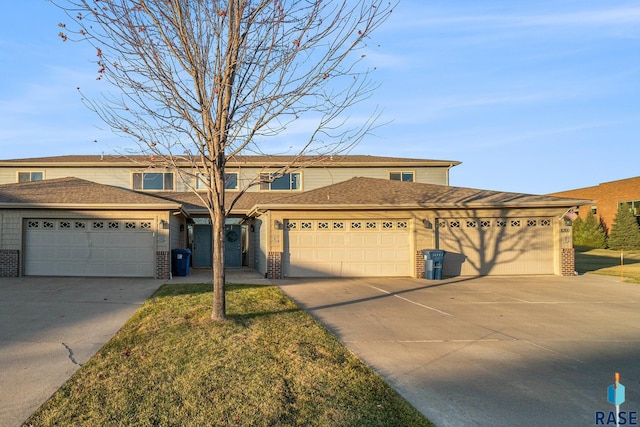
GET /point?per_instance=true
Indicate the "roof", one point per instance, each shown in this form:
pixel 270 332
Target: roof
pixel 623 181
pixel 192 204
pixel 356 193
pixel 76 192
pixel 372 193
pixel 236 161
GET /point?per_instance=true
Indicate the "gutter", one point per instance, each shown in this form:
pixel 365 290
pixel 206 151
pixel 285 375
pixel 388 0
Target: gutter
pixel 80 206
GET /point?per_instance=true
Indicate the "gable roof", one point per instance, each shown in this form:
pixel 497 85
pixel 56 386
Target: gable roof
pixel 236 161
pixel 372 193
pixel 76 192
pixel 192 204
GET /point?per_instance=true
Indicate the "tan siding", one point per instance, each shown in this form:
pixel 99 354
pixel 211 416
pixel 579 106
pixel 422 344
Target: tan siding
pixel 10 234
pixel 261 245
pixel 312 177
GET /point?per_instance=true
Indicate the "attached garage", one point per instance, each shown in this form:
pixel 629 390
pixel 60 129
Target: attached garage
pixel 367 227
pixel 89 247
pixel 74 227
pixel 498 246
pixel 346 248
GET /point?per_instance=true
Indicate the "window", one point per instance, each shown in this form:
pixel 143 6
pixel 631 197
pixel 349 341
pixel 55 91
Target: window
pixel 634 206
pixel 230 181
pixel 153 181
pixel 288 181
pixel 401 176
pixel 594 210
pixel 30 176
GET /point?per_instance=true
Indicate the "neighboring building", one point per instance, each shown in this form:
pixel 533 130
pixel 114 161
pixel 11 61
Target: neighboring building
pixel 606 197
pixel 340 216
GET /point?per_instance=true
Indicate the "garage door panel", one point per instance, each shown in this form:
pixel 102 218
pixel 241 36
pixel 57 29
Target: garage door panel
pixel 110 250
pixel 346 248
pixel 496 246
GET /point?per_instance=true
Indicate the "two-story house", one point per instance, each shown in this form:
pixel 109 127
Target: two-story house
pixel 339 216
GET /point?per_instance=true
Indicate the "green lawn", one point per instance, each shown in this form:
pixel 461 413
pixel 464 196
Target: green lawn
pixel 271 364
pixel 604 261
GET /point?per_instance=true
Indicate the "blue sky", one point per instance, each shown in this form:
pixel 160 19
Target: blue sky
pixel 531 96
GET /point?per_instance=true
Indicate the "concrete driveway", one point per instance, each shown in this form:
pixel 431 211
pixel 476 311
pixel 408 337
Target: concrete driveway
pixel 492 351
pixel 50 326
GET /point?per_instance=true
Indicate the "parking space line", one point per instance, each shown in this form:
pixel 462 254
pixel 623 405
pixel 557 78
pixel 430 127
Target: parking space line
pixel 408 300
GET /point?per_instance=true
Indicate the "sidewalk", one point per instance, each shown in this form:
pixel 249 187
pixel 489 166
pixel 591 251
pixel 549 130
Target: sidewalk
pixel 244 275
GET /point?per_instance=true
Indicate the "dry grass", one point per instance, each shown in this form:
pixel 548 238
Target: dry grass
pixel 271 364
pixel 608 262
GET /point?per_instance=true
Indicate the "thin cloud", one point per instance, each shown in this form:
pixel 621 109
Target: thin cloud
pixel 590 18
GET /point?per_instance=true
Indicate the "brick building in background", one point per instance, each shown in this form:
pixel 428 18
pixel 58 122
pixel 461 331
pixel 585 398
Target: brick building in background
pixel 607 197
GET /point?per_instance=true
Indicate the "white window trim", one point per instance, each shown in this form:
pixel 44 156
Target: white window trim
pixel 29 172
pixel 163 172
pixel 201 183
pixel 299 173
pixel 413 173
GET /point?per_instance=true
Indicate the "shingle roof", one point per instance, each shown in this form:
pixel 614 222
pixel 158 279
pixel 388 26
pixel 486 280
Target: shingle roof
pixel 256 161
pixel 193 204
pixel 383 193
pixel 75 191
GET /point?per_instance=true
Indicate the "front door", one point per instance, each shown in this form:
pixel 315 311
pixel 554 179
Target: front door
pixel 232 246
pixel 202 253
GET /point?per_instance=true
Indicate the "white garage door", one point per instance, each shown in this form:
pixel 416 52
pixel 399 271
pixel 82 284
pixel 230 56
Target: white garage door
pixel 346 248
pixel 110 248
pixel 496 246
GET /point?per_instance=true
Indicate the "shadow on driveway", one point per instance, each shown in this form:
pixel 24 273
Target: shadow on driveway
pixel 494 351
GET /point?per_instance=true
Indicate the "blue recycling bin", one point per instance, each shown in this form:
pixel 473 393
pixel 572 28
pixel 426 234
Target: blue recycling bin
pixel 180 260
pixel 433 262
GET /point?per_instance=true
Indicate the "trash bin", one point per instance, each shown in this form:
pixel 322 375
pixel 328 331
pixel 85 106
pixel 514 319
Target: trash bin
pixel 180 260
pixel 433 260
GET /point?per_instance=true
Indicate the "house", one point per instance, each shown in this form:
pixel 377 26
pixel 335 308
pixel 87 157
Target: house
pixel 606 197
pixel 338 216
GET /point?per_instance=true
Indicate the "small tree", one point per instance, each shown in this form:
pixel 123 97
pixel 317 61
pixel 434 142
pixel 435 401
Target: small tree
pixel 589 232
pixel 625 233
pixel 197 82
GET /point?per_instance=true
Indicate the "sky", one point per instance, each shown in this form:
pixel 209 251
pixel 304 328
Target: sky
pixel 531 96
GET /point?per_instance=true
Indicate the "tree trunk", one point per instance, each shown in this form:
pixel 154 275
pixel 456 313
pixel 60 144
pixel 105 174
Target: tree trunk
pixel 217 236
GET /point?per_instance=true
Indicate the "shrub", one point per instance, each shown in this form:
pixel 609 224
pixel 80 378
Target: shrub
pixel 589 233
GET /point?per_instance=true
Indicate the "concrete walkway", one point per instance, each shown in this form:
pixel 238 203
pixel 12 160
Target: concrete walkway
pixel 491 351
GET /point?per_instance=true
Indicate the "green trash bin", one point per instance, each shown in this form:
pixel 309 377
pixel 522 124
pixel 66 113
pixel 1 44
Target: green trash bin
pixel 433 262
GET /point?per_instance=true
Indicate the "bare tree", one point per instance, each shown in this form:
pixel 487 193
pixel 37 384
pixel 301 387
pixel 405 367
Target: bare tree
pixel 197 82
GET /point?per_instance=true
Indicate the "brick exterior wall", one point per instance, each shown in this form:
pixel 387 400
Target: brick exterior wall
pixel 419 265
pixel 606 197
pixel 568 267
pixel 9 263
pixel 163 265
pixel 274 265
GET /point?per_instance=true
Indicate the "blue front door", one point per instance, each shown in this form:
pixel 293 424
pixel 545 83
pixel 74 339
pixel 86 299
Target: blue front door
pixel 233 246
pixel 202 253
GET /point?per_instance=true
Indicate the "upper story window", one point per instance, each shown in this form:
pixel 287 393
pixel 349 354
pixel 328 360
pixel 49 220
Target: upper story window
pixel 402 176
pixel 153 181
pixel 288 181
pixel 230 181
pixel 30 176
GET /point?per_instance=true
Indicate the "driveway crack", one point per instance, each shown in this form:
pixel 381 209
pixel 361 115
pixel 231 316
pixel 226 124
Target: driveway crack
pixel 73 360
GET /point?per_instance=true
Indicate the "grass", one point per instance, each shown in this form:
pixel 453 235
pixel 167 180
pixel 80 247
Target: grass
pixel 607 262
pixel 270 364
